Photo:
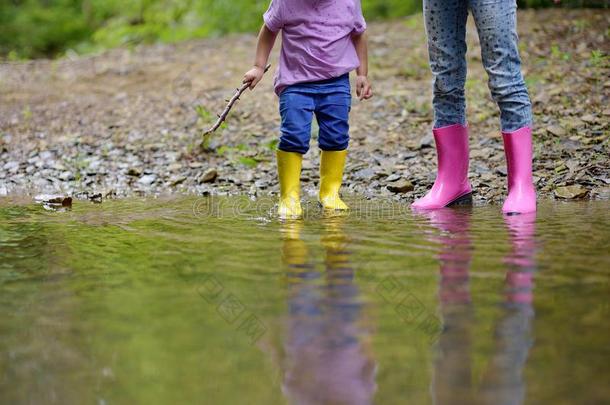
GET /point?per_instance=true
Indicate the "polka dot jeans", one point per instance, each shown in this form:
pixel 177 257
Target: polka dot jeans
pixel 496 22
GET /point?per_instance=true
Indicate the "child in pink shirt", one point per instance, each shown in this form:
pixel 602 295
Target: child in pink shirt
pixel 322 42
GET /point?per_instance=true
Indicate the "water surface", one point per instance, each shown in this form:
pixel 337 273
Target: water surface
pixel 213 301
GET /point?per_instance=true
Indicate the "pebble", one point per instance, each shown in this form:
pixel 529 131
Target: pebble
pixel 97 197
pixel 557 130
pixel 602 193
pixel 66 176
pixel 52 199
pixel 175 180
pixel 11 166
pixel 307 164
pixel 208 176
pixel 261 184
pixel 501 171
pixel 401 186
pixel 426 142
pixel 174 167
pixel 147 179
pixel 134 172
pixel 365 174
pixel 571 192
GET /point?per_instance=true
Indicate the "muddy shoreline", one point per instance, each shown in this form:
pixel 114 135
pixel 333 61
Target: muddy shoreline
pixel 129 121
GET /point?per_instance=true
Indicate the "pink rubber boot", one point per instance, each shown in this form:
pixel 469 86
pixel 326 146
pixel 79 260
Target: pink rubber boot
pixel 451 185
pixel 521 193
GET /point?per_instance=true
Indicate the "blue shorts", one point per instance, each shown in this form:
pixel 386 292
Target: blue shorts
pixel 330 100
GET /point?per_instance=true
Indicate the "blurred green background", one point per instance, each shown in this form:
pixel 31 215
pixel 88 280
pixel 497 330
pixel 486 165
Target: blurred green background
pixel 49 28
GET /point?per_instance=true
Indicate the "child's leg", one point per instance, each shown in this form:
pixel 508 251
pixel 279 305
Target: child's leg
pixel 296 110
pixel 446 31
pixel 497 26
pixel 332 113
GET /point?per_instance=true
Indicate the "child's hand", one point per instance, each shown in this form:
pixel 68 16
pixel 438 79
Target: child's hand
pixel 364 91
pixel 253 76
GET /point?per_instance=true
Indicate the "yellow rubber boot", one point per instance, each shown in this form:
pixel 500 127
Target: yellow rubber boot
pixel 331 174
pixel 289 171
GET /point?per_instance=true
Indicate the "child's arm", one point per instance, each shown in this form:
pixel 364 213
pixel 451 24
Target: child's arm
pixel 266 39
pixel 364 91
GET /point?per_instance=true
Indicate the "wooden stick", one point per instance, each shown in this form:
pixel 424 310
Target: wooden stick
pixel 223 116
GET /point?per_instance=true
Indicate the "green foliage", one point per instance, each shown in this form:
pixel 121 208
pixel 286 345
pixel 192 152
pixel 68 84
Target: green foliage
pixel 247 161
pixel 35 28
pixel 272 145
pixel 27 113
pixel 597 58
pixel 559 54
pixel 389 8
pixel 203 113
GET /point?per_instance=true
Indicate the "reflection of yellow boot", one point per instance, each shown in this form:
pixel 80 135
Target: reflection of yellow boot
pixel 294 250
pixel 331 174
pixel 289 171
pixel 334 240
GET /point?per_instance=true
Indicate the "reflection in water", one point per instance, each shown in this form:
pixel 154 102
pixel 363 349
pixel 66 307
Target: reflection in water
pixel 327 350
pixel 502 381
pixel 106 304
pixel 452 382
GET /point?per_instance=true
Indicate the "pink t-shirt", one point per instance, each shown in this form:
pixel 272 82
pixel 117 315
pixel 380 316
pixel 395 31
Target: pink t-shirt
pixel 316 38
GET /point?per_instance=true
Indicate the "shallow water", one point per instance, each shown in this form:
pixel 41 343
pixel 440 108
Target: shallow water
pixel 212 301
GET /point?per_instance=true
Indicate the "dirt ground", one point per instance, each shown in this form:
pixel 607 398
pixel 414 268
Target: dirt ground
pixel 129 121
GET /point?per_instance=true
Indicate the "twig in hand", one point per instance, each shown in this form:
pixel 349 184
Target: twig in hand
pixel 223 116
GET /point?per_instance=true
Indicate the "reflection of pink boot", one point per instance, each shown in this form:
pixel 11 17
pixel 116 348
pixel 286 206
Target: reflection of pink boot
pixel 455 252
pixel 521 194
pixel 451 185
pixel 521 260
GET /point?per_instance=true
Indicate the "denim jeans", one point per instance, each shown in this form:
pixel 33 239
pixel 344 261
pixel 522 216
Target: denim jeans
pixel 330 101
pixel 496 22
